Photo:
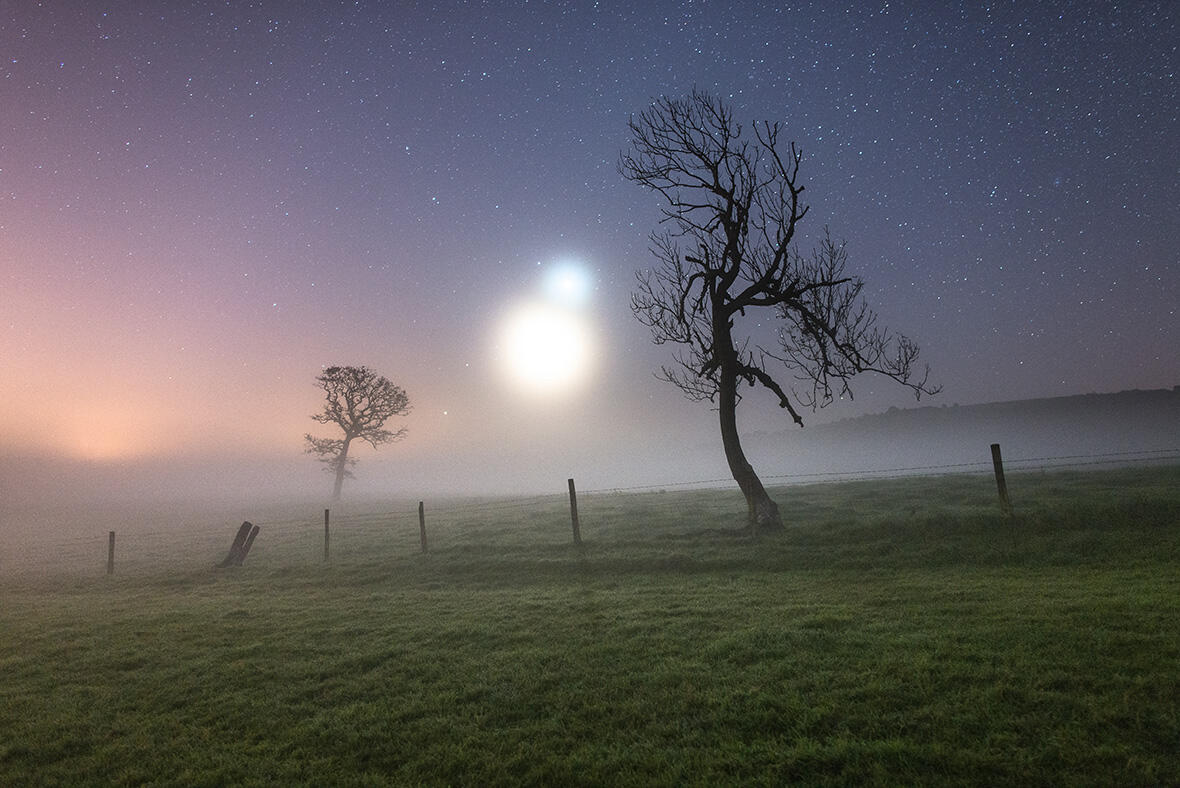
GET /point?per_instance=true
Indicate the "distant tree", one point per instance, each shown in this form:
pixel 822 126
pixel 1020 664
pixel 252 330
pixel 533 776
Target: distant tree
pixel 359 402
pixel 731 206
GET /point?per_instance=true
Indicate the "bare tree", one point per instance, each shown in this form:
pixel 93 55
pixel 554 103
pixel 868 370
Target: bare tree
pixel 359 402
pixel 731 207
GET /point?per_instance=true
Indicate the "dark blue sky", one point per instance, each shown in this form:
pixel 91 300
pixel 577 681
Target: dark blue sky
pixel 202 203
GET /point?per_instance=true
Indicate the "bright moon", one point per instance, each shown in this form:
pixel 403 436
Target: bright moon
pixel 547 348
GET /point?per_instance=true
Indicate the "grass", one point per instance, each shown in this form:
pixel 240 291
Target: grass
pixel 899 632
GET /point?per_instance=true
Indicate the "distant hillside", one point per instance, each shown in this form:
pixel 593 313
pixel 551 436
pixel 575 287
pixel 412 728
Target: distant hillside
pixel 1088 424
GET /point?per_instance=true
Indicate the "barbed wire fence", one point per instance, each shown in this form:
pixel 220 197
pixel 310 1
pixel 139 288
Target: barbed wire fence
pixel 299 536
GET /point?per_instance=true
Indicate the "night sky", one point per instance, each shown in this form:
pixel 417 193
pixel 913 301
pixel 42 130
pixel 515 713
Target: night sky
pixel 202 204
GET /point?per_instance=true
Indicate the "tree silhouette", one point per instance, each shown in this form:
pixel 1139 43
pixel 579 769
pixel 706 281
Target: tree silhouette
pixel 359 402
pixel 731 206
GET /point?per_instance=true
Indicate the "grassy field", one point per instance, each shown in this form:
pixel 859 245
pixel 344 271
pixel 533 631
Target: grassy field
pixel 899 632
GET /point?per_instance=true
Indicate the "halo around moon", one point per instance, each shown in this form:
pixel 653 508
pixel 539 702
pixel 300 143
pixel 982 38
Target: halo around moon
pixel 546 343
pixel 546 349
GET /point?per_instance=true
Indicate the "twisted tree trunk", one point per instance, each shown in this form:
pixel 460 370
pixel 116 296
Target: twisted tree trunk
pixel 762 512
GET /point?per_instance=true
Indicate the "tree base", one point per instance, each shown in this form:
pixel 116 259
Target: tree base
pixel 764 516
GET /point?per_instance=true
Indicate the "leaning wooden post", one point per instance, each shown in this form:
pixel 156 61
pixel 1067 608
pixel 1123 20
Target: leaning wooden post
pixel 249 543
pixel 326 538
pixel 574 514
pixel 240 546
pixel 998 465
pixel 422 523
pixel 111 553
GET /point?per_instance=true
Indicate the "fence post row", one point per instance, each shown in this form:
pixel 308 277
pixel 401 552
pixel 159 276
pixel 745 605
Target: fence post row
pixel 246 535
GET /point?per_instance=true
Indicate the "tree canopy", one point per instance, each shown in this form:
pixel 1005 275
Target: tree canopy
pixel 359 402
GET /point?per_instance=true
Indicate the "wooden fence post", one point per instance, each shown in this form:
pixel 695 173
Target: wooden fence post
pixel 326 537
pixel 422 523
pixel 998 466
pixel 111 553
pixel 574 514
pixel 242 543
pixel 249 543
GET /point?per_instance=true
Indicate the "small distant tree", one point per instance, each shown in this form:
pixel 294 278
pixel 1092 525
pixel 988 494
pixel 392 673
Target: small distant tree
pixel 732 201
pixel 359 402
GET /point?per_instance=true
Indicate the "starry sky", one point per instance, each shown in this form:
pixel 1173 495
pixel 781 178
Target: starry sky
pixel 202 204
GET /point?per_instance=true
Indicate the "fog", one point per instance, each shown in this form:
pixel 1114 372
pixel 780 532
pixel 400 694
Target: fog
pixel 46 502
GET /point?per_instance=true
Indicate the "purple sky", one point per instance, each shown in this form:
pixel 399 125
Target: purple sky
pixel 202 204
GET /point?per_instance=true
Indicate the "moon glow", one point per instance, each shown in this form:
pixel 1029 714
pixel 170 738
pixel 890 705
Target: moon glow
pixel 547 348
